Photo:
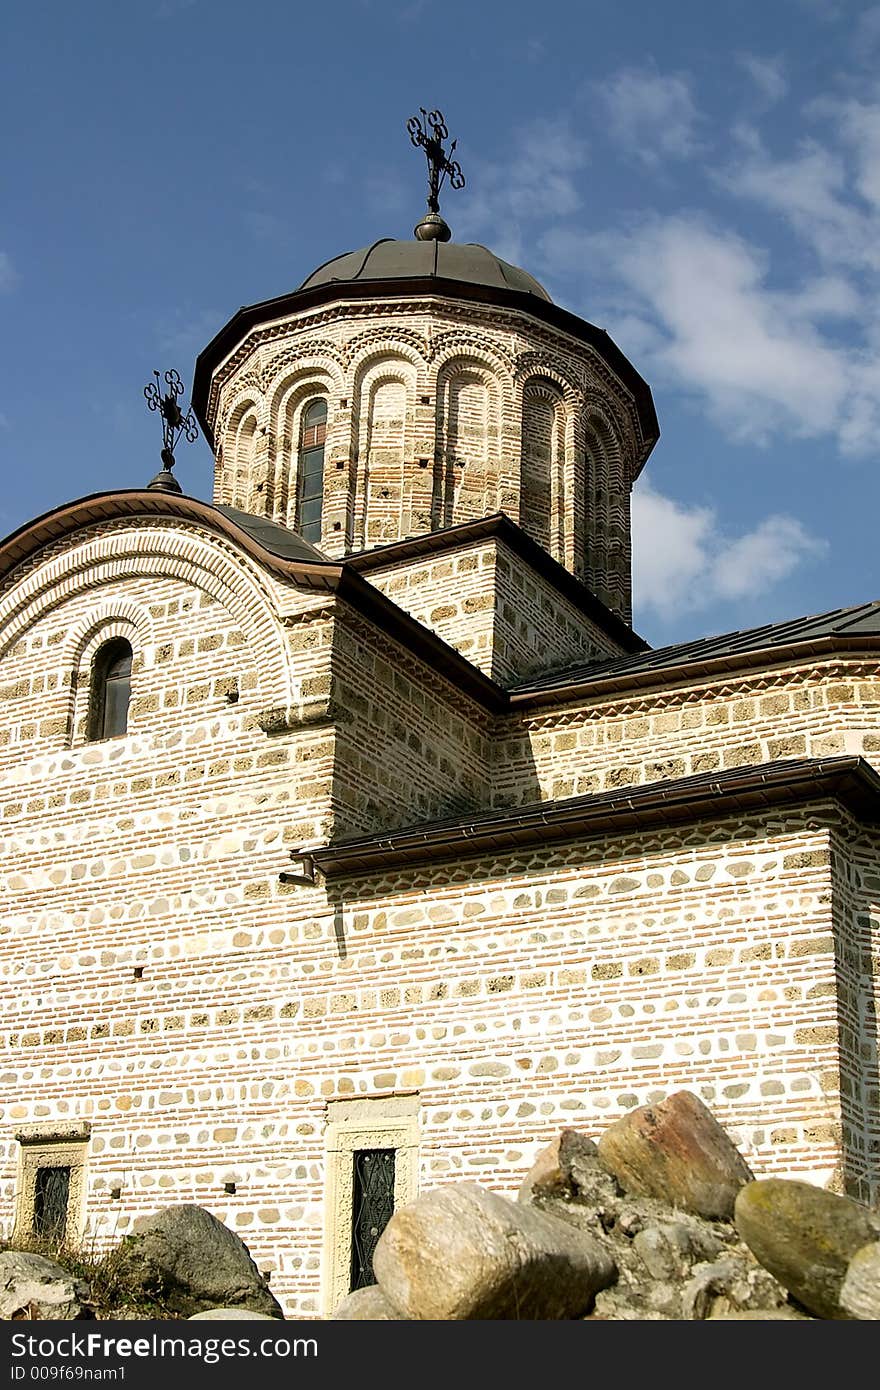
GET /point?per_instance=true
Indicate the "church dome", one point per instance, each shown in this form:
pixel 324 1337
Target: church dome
pixel 419 260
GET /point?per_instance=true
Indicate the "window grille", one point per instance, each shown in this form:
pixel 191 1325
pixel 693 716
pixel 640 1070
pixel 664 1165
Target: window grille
pixel 51 1196
pixel 372 1207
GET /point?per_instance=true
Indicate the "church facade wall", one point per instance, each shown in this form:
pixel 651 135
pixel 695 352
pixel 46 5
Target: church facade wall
pixel 199 1030
pixel 604 742
pixel 503 1000
pixel 409 746
pixel 856 902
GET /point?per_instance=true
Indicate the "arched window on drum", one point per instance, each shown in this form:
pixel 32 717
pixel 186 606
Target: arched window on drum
pixel 310 474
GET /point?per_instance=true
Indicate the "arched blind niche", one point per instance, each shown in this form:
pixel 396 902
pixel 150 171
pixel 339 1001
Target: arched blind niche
pixel 543 457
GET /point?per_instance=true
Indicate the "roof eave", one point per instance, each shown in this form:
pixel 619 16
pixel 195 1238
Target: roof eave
pixel 331 575
pixel 849 780
pixel 252 316
pixel 766 658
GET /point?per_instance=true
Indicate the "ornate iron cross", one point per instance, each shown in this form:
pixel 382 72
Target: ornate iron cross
pixel 429 132
pixel 174 424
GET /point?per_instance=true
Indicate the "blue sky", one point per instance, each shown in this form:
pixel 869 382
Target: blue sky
pixel 703 180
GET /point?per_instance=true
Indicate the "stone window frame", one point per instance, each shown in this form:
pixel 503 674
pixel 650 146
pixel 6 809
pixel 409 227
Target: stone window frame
pixel 362 1122
pixel 57 1147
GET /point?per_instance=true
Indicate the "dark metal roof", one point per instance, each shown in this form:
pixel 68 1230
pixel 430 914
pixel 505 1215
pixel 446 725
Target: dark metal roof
pixel 708 796
pixel 847 625
pixel 263 539
pixel 277 539
pixel 387 259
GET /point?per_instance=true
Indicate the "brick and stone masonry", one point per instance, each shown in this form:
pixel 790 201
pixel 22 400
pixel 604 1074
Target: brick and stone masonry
pixel 201 1026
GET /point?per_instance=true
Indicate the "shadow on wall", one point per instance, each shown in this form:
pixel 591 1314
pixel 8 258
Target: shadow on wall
pixel 856 914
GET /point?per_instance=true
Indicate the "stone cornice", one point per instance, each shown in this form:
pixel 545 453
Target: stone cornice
pixel 542 312
pixel 675 678
pixel 258 359
pixel 656 699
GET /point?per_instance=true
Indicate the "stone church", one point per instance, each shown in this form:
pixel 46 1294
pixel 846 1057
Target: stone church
pixel 353 840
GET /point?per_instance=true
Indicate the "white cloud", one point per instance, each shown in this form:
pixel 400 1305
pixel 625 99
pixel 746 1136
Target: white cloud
pixel 651 116
pixel 867 33
pixel 542 179
pixel 749 565
pixel 683 561
pixel 809 190
pixel 829 190
pixel 538 182
pixel 753 355
pixel 8 274
pixel 768 75
pixel 788 346
pixel 859 125
pixel 826 297
pixel 265 226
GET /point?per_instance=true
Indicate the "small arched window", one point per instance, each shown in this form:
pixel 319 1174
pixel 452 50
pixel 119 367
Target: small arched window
pixel 311 470
pixel 110 689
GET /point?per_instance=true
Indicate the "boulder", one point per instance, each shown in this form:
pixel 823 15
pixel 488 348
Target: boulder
pixel 188 1261
pixel 806 1237
pixel 623 1311
pixel 655 1261
pixel 632 1299
pixel 560 1168
pixel 671 1250
pixel 32 1286
pixel 677 1152
pixel 461 1252
pixel 367 1305
pixel 860 1292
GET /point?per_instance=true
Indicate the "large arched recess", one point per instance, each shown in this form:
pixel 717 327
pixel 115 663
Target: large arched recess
pixel 175 548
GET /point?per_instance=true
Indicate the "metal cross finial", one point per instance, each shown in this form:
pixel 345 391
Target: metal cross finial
pixel 174 424
pixel 429 132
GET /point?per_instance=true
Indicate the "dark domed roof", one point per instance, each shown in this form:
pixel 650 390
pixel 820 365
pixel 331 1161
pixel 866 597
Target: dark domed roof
pixel 418 260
